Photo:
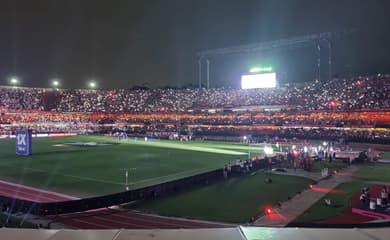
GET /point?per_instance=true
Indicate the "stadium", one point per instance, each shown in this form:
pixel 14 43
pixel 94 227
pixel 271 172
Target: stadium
pixel 266 151
pixel 90 150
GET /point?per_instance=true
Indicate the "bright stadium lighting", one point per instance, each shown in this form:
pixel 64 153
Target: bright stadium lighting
pixel 260 69
pixel 305 149
pixel 92 84
pixel 55 83
pixel 260 80
pixel 293 147
pixel 295 152
pixel 255 70
pixel 315 149
pixel 268 150
pixel 14 80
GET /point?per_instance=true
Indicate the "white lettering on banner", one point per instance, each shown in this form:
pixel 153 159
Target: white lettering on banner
pixel 21 149
pixel 21 139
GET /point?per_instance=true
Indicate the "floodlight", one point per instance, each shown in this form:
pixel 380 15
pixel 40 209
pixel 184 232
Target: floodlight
pixel 260 69
pixel 92 84
pixel 14 80
pixel 268 150
pixel 255 70
pixel 55 83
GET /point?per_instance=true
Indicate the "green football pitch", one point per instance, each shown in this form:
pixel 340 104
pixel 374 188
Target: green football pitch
pixel 235 200
pixel 90 171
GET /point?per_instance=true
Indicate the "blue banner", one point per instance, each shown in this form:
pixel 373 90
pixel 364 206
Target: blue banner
pixel 24 142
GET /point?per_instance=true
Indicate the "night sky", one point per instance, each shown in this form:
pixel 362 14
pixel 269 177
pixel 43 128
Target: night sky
pixel 123 43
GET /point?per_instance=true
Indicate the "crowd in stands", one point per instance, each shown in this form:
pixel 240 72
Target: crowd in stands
pixel 351 109
pixel 334 134
pixel 21 98
pixel 360 126
pixel 338 94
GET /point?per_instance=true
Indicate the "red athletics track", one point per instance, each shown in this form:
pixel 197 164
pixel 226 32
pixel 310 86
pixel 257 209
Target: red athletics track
pixel 18 191
pixel 101 218
pixel 114 218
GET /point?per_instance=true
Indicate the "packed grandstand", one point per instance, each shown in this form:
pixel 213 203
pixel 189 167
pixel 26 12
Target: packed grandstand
pixel 352 109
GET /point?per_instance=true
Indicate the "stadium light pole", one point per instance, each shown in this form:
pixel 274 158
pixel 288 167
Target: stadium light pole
pixel 208 73
pixel 330 58
pixel 319 61
pixel 200 72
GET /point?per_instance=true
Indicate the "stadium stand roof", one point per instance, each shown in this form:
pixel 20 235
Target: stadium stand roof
pixel 244 233
pixel 293 42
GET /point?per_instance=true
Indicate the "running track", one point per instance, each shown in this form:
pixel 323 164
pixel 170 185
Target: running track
pixel 101 218
pixel 21 192
pixel 114 219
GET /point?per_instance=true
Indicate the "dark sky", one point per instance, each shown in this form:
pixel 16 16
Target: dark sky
pixel 122 43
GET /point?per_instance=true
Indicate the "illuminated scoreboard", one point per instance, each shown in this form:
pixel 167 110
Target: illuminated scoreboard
pixel 261 80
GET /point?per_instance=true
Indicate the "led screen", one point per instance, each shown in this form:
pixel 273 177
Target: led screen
pixel 264 80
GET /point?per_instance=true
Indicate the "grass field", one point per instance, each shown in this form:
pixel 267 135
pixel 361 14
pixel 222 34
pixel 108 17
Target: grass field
pixel 374 172
pixel 335 165
pixel 88 171
pixel 235 200
pixel 340 199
